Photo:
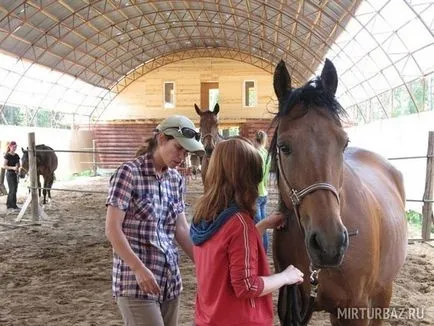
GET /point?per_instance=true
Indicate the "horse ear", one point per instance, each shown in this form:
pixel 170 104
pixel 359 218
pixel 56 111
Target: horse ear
pixel 329 77
pixel 216 109
pixel 281 80
pixel 198 111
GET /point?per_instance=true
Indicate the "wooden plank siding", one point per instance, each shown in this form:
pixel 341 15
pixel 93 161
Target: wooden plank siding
pixel 123 139
pixel 143 99
pixel 119 142
pixel 135 112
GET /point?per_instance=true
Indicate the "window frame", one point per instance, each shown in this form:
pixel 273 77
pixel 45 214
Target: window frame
pixel 168 105
pixel 255 87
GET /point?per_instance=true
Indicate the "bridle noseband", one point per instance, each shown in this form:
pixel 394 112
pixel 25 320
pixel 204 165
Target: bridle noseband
pixel 213 140
pixel 207 135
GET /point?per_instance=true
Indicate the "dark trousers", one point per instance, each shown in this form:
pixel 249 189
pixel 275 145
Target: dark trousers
pixel 12 180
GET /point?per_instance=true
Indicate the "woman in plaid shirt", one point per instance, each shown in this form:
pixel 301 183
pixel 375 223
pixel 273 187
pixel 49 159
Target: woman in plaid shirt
pixel 145 214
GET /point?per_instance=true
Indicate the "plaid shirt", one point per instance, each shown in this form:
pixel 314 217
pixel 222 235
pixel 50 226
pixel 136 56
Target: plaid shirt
pixel 151 204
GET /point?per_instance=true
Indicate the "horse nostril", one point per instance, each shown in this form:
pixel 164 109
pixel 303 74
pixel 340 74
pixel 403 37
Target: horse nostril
pixel 345 238
pixel 208 151
pixel 315 242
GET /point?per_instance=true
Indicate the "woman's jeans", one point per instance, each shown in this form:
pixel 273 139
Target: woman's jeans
pixel 12 180
pixel 261 213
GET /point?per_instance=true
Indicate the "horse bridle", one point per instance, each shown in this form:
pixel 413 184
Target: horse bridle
pixel 212 139
pixel 208 135
pixel 296 197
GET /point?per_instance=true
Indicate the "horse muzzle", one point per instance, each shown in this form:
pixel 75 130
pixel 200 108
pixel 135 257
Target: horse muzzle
pixel 327 250
pixel 208 150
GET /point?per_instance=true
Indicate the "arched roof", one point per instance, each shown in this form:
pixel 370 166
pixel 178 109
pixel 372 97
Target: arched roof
pixel 109 43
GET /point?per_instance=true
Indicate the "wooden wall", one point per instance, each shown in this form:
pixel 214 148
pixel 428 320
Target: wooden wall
pixel 251 126
pixel 143 99
pixel 122 139
pixel 140 107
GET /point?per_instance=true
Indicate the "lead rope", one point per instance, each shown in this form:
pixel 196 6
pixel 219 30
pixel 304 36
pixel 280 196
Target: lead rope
pixel 299 316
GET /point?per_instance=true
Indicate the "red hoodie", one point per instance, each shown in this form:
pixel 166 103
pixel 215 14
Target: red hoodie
pixel 228 270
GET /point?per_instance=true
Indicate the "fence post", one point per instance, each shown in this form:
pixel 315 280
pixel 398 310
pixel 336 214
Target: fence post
pixel 33 177
pixel 427 208
pixel 94 164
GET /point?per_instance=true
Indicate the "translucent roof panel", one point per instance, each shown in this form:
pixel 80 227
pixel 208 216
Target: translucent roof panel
pixel 386 44
pixel 24 84
pixel 88 51
pixel 101 41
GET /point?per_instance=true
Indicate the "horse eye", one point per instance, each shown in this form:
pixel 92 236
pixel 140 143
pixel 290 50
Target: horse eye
pixel 346 144
pixel 285 149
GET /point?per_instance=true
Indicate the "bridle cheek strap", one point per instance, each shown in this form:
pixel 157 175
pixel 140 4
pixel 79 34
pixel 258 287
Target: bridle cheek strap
pixel 296 196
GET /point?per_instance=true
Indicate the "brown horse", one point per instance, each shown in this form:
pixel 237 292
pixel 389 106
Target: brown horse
pixel 46 164
pixel 210 134
pixel 330 192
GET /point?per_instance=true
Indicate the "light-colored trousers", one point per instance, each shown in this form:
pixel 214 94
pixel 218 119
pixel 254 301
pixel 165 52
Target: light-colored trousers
pixel 139 312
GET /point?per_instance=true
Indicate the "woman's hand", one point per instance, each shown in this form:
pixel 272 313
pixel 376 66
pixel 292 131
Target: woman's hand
pixel 146 280
pixel 275 220
pixel 293 275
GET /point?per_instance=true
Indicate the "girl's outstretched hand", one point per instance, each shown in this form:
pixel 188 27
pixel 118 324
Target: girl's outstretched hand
pixel 275 220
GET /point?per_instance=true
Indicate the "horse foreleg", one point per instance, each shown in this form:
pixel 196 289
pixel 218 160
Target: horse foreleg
pixel 44 191
pixel 356 313
pixel 379 304
pixel 50 184
pixel 39 185
pixel 356 318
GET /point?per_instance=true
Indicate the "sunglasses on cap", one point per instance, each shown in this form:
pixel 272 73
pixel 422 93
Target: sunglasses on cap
pixel 186 132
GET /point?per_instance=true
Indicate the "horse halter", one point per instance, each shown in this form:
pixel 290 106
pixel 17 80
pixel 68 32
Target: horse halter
pixel 297 196
pixel 213 140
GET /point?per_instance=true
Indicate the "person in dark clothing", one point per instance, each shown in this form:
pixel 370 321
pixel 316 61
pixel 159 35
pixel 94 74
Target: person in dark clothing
pixel 12 165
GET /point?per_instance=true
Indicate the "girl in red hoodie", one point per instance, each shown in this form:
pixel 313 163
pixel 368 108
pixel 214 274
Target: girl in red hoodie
pixel 234 283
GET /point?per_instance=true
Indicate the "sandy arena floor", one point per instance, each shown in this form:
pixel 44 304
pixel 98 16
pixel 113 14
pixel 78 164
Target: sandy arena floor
pixel 59 273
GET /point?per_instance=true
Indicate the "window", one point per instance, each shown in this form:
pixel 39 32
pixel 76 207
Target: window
pixel 213 98
pixel 169 95
pixel 249 93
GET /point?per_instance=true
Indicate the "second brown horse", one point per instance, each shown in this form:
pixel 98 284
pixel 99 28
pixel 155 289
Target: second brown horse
pixel 209 133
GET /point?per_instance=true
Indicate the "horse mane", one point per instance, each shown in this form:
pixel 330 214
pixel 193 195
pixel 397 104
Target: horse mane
pixel 43 146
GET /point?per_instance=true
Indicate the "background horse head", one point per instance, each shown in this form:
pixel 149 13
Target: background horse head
pixel 327 192
pixel 46 164
pixel 210 134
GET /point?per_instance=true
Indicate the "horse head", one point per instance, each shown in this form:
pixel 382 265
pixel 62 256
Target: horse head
pixel 308 146
pixel 209 128
pixel 24 163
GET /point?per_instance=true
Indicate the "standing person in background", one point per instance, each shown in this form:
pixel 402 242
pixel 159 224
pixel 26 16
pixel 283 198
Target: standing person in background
pixel 261 202
pixel 12 164
pixel 145 214
pixel 234 283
